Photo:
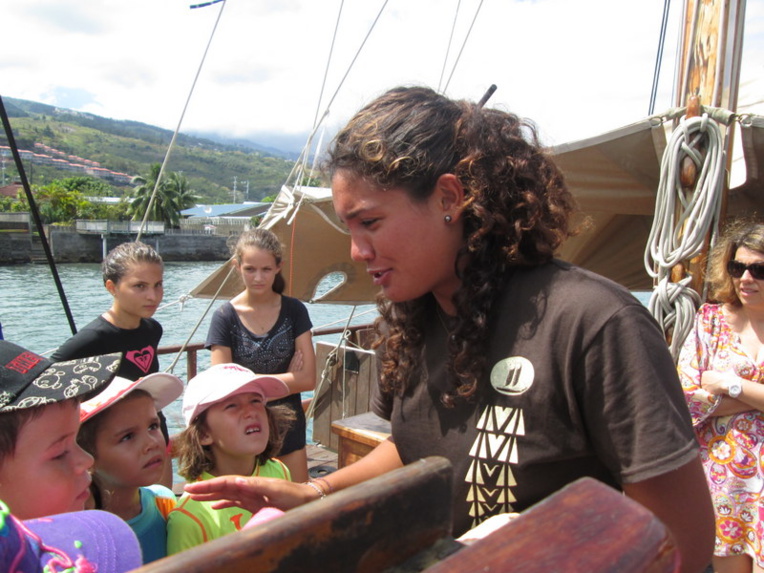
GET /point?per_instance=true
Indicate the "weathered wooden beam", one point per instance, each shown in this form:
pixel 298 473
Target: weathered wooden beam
pixel 586 526
pixel 370 527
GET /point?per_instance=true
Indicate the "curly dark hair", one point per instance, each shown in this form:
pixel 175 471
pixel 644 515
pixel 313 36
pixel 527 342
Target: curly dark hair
pixel 516 212
pixel 740 233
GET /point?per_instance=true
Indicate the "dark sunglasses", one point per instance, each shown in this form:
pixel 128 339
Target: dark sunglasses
pixel 736 269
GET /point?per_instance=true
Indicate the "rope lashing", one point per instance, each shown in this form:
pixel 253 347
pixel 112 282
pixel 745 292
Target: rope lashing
pixel 682 221
pixel 671 240
pixel 672 304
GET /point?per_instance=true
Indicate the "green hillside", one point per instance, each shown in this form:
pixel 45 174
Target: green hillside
pixel 131 147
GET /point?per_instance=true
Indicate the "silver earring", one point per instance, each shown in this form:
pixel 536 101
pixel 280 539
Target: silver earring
pixel 447 219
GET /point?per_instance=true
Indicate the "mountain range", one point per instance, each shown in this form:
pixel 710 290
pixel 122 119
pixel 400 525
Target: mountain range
pixel 214 165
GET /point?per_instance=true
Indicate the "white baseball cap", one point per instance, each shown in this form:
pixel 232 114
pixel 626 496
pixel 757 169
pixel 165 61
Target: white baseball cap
pixel 163 388
pixel 223 380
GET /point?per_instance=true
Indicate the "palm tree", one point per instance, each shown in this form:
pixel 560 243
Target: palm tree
pixel 167 203
pixel 184 195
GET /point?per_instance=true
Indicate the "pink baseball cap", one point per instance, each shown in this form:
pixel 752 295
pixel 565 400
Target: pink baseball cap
pixel 223 380
pixel 163 388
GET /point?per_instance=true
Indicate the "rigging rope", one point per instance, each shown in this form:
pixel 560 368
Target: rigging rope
pixel 459 55
pixel 659 56
pixel 683 220
pixel 328 62
pixel 299 165
pixel 177 129
pixel 448 48
pixel 199 322
pixel 183 299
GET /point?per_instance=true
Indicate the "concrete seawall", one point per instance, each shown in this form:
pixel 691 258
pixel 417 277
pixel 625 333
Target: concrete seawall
pixel 72 247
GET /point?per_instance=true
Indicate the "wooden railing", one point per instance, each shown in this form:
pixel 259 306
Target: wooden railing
pixel 192 349
pixel 398 522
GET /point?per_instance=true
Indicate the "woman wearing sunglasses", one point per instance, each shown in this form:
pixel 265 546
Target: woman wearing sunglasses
pixel 722 368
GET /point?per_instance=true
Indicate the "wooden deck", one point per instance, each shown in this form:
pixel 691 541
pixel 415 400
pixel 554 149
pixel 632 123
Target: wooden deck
pixel 321 460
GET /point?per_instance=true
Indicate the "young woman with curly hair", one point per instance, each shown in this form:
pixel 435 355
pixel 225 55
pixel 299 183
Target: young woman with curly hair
pixel 526 372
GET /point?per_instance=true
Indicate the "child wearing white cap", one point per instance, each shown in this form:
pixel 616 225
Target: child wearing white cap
pixel 121 430
pixel 229 432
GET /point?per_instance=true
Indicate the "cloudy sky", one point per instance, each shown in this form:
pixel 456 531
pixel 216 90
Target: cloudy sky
pixel 576 68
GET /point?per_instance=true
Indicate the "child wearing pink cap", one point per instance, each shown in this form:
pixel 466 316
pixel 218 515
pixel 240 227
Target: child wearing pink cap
pixel 229 431
pixel 121 430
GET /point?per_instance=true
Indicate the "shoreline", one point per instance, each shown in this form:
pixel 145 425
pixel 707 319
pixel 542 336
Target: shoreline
pixel 69 246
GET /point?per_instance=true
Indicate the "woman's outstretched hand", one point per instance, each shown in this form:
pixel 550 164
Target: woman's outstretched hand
pixel 251 493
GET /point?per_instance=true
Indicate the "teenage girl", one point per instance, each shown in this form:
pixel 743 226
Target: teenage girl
pixel 133 275
pixel 229 432
pixel 120 429
pixel 269 333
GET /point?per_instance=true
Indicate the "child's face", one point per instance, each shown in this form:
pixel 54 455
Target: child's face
pixel 129 447
pixel 258 270
pixel 237 427
pixel 48 473
pixel 139 292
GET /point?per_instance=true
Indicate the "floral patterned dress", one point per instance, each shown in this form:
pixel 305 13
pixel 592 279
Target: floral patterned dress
pixel 730 446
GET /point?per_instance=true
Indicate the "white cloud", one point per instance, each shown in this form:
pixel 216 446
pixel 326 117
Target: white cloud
pixel 576 68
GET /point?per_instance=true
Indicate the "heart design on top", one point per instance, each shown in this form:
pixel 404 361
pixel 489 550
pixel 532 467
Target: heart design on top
pixel 141 358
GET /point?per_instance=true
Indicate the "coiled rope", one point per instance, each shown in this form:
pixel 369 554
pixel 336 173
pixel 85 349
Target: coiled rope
pixel 682 222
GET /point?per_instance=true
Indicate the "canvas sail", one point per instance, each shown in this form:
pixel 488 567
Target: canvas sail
pixel 316 245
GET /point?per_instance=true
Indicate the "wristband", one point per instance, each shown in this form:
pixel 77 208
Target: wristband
pixel 325 485
pixel 320 492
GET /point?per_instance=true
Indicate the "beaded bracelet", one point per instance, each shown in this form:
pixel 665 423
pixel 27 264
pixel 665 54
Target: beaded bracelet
pixel 320 492
pixel 325 485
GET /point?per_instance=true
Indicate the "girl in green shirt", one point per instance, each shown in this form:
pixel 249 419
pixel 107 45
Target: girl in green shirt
pixel 229 431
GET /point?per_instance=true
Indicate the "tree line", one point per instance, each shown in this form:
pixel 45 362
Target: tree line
pixel 62 201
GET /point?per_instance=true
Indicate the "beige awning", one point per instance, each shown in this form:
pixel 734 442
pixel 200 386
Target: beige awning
pixel 614 178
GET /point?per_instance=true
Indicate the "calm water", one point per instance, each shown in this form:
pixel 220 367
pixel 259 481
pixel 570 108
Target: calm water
pixel 32 315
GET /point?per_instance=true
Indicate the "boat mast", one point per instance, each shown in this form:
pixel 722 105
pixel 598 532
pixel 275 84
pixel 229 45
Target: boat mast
pixel 711 52
pixel 709 75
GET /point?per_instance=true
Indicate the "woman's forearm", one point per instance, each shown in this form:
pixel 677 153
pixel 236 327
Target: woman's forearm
pixel 380 460
pixel 730 406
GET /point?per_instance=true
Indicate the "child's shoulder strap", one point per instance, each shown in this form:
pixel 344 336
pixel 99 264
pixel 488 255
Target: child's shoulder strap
pixel 164 498
pixel 165 505
pixel 284 469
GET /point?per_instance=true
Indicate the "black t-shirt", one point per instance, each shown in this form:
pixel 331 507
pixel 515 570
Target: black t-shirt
pixel 270 353
pixel 580 383
pixel 266 354
pixel 138 345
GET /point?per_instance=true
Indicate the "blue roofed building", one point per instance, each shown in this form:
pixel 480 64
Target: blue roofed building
pixel 221 219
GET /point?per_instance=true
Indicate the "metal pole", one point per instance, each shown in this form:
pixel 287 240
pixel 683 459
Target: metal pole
pixel 36 215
